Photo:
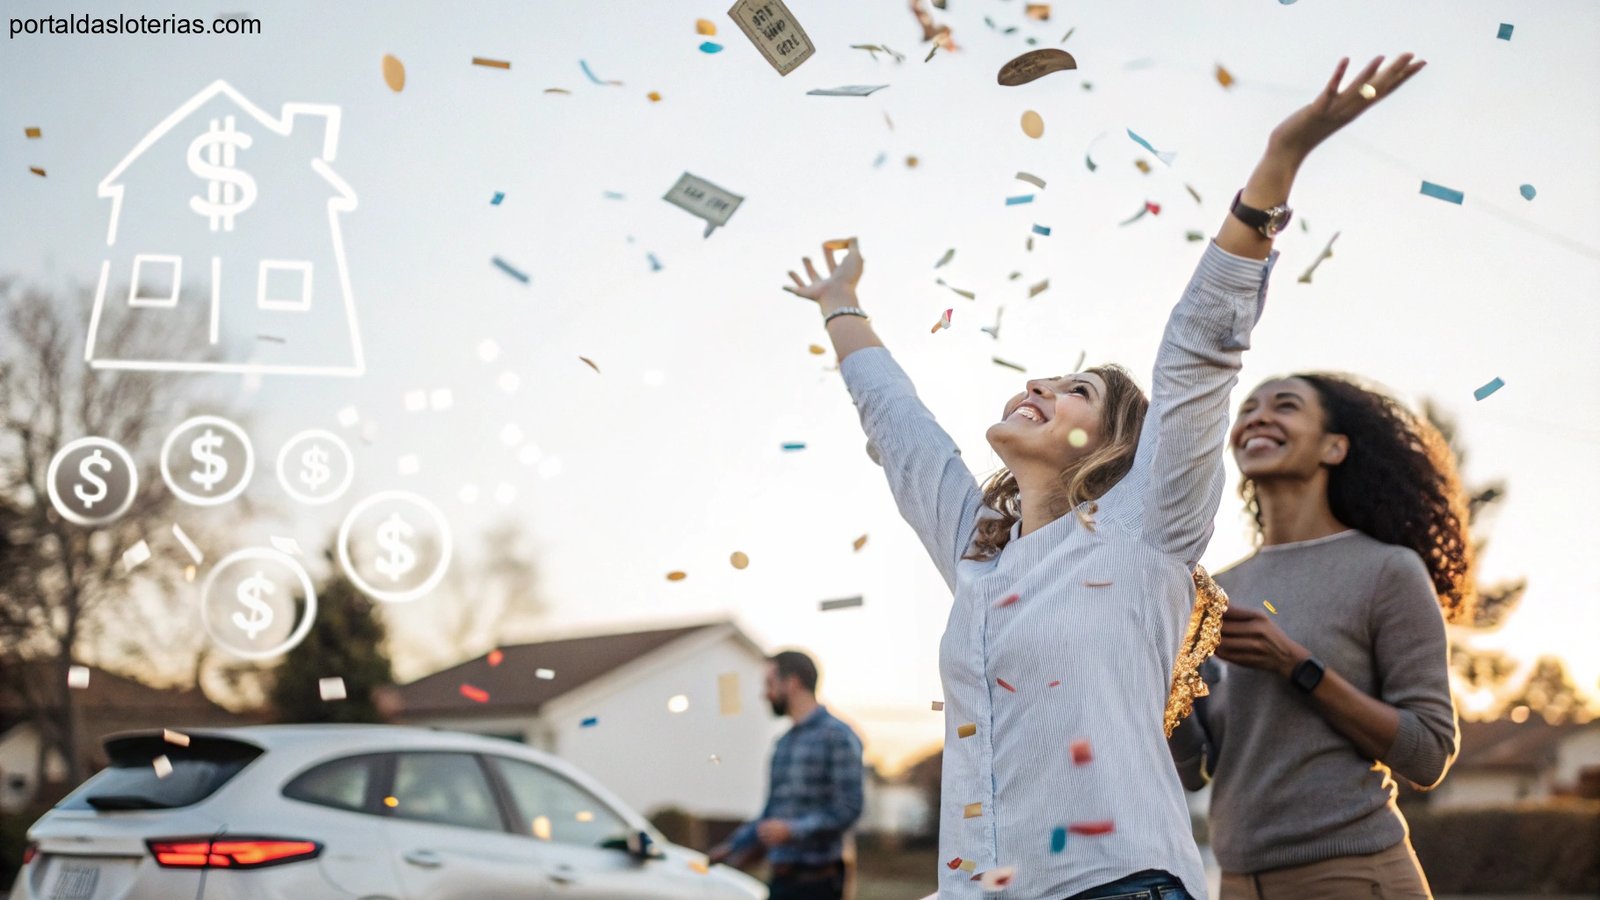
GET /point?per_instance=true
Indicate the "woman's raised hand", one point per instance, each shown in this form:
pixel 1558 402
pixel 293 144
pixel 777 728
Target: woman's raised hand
pixel 1333 109
pixel 839 288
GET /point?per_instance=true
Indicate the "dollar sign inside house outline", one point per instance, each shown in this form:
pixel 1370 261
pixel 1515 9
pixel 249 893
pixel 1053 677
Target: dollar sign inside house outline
pixel 204 450
pixel 224 183
pixel 391 537
pixel 315 472
pixel 249 593
pixel 96 460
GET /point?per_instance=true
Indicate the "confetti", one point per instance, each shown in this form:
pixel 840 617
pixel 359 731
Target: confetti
pixel 349 416
pixel 934 49
pixel 490 63
pixel 1488 389
pixel 967 730
pixel 1034 180
pixel 32 132
pixel 655 96
pixel 1194 235
pixel 1164 157
pixel 1041 230
pixel 728 694
pixel 1224 77
pixel 175 738
pixel 590 363
pixel 1305 277
pixel 710 47
pixel 705 27
pixel 1053 684
pixel 37 171
pixel 394 73
pixel 794 445
pixel 613 195
pixel 1033 65
pixel 590 722
pixel 994 330
pixel 498 196
pixel 163 766
pixel 135 556
pixel 1009 600
pixel 678 703
pixel 704 200
pixel 655 264
pixel 1092 828
pixel 1058 840
pixel 78 677
pixel 1039 288
pixel 773 29
pixel 188 573
pixel 1067 35
pixel 1270 608
pixel 701 866
pixel 954 863
pixel 331 688
pixel 1505 31
pixel 677 576
pixel 589 73
pixel 510 269
pixel 716 760
pixel 948 255
pixel 1039 12
pixel 1081 755
pixel 1033 124
pixel 944 321
pixel 738 560
pixel 998 879
pixel 1144 211
pixel 474 693
pixel 496 657
pixel 1002 682
pixel 558 91
pixel 968 865
pixel 544 674
pixel 1193 193
pixel 1010 365
pixel 938 706
pixel 1019 199
pixel 1527 191
pixel 1142 166
pixel 842 603
pixel 1153 208
pixel 1443 193
pixel 972 811
pixel 859 542
pixel 911 162
pixel 847 90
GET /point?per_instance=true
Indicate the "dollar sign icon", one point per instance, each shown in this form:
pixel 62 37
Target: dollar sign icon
pixel 398 558
pixel 228 190
pixel 315 473
pixel 249 593
pixel 95 460
pixel 204 450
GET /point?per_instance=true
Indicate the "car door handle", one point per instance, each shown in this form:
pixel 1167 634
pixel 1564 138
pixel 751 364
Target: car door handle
pixel 563 875
pixel 426 859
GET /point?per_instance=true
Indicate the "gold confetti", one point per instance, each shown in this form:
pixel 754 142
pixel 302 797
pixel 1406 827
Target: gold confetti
pixel 705 27
pixel 1033 124
pixel 394 73
pixel 739 560
pixel 1039 288
pixel 967 730
pixel 699 865
pixel 938 706
pixel 860 542
pixel 1039 12
pixel 32 132
pixel 655 96
pixel 391 802
pixel 911 163
pixel 556 91
pixel 971 811
pixel 1224 77
pixel 1270 608
pixel 590 363
pixel 816 349
pixel 37 171
pixel 1142 166
pixel 176 738
pixel 1034 180
pixel 1199 642
pixel 490 63
pixel 969 865
pixel 838 244
pixel 188 573
pixel 677 576
pixel 728 695
pixel 1097 582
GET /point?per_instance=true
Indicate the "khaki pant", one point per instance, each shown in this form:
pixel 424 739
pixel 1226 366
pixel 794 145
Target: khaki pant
pixel 1390 874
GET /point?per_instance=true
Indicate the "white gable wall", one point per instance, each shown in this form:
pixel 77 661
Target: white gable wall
pixel 1578 752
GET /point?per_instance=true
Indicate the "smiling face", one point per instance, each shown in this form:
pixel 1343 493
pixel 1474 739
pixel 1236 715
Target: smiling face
pixel 1280 432
pixel 1038 425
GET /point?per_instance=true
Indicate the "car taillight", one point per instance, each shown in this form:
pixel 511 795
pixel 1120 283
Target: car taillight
pixel 230 853
pixel 29 853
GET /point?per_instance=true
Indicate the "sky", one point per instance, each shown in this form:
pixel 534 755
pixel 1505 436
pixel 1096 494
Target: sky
pixel 670 458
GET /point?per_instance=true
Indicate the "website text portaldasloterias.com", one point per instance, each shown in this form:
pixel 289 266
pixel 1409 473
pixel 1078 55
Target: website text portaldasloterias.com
pixel 173 24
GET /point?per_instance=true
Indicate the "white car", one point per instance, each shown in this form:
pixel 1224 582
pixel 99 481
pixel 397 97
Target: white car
pixel 374 812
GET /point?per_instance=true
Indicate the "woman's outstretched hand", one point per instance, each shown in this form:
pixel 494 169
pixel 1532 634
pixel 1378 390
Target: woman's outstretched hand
pixel 1333 109
pixel 836 290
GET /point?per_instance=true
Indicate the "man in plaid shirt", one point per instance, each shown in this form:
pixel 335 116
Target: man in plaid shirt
pixel 814 795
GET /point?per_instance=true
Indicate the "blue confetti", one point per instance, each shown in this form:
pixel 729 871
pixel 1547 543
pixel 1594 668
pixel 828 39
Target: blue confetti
pixel 1164 157
pixel 1019 199
pixel 1042 230
pixel 1058 838
pixel 1505 31
pixel 655 264
pixel 879 161
pixel 1528 192
pixel 510 269
pixel 590 722
pixel 1448 195
pixel 498 196
pixel 710 47
pixel 1488 389
pixel 589 72
pixel 612 195
pixel 794 445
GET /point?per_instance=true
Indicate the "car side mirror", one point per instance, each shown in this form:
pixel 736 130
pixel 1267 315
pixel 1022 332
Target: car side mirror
pixel 641 847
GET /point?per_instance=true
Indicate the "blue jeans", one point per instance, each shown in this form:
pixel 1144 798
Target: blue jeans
pixel 1151 884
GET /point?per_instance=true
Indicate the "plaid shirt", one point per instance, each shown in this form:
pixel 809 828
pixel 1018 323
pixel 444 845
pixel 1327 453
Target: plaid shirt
pixel 815 787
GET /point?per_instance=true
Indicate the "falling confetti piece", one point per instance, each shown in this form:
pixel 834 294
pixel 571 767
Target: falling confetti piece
pixel 882 157
pixel 287 545
pixel 1448 195
pixel 968 865
pixel 331 688
pixel 794 445
pixel 1097 582
pixel 1527 191
pixel 1067 35
pixel 1058 840
pixel 32 132
pixel 188 545
pixel 510 269
pixel 175 738
pixel 135 556
pixel 590 363
pixel 1081 754
pixel 474 693
pixel 590 73
pixel 859 542
pixel 998 879
pixel 677 576
pixel 496 657
pixel 842 603
pixel 1270 608
pixel 710 47
pixel 678 703
pixel 544 674
pixel 163 766
pixel 1019 199
pixel 1143 211
pixel 739 560
pixel 1164 157
pixel 847 90
pixel 1053 684
pixel 1034 180
pixel 1010 365
pixel 944 322
pixel 78 677
pixel 1153 208
pixel 590 722
pixel 1033 124
pixel 1142 166
pixel 972 811
pixel 705 27
pixel 1326 253
pixel 558 91
pixel 938 706
pixel 394 73
pixel 715 759
pixel 1039 288
pixel 911 163
pixel 1224 77
pixel 655 96
pixel 1488 389
pixel 1002 682
pixel 700 865
pixel 955 290
pixel 188 573
pixel 837 244
pixel 490 63
pixel 954 863
pixel 931 52
pixel 498 196
pixel 1033 65
pixel 948 255
pixel 728 694
pixel 1009 600
pixel 1194 236
pixel 1039 12
pixel 1092 828
pixel 1505 32
pixel 1041 230
pixel 37 171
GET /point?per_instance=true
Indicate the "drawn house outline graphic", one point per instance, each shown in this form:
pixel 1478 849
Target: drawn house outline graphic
pixel 266 296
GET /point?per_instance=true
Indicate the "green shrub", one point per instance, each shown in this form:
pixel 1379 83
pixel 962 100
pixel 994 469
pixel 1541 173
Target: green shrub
pixel 1550 847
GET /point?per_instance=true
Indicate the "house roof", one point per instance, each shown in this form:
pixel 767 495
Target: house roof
pixel 111 702
pixel 1510 746
pixel 514 685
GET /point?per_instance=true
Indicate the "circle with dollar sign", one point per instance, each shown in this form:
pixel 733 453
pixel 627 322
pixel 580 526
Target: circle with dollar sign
pixel 316 467
pixel 215 457
pixel 91 481
pixel 395 546
pixel 248 603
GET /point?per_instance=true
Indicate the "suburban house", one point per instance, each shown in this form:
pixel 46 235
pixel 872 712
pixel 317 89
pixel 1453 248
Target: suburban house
pixel 668 718
pixel 1506 761
pixel 110 703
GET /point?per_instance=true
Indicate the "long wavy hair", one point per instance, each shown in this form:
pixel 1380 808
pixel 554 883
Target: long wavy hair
pixel 1398 484
pixel 1087 479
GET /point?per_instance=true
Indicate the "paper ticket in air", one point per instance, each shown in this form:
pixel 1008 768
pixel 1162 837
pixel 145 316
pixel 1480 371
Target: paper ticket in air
pixel 773 29
pixel 704 199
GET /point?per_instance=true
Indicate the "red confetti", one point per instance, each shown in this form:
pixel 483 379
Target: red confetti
pixel 1008 601
pixel 1081 755
pixel 1002 683
pixel 495 656
pixel 1155 208
pixel 477 694
pixel 1054 684
pixel 954 863
pixel 1092 828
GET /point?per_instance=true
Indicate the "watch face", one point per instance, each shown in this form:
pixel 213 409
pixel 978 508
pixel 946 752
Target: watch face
pixel 1279 219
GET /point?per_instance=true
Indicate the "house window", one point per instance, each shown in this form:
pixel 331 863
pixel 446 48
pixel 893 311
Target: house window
pixel 284 285
pixel 155 280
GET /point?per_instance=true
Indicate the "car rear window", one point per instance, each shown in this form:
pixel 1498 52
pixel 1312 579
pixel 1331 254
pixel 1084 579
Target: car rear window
pixel 133 781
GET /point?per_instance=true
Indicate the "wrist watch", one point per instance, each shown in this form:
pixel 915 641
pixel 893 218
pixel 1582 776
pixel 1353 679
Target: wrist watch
pixel 1308 674
pixel 1267 221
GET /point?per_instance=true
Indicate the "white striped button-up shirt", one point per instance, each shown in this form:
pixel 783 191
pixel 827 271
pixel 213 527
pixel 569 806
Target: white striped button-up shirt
pixel 1063 772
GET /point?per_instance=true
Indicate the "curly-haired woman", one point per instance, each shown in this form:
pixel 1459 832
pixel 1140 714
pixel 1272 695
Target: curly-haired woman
pixel 1072 570
pixel 1335 666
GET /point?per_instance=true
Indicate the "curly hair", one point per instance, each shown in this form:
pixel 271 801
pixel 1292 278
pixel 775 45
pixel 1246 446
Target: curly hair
pixel 1089 478
pixel 1398 484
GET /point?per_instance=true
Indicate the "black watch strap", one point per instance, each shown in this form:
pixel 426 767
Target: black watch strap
pixel 1258 219
pixel 1308 674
